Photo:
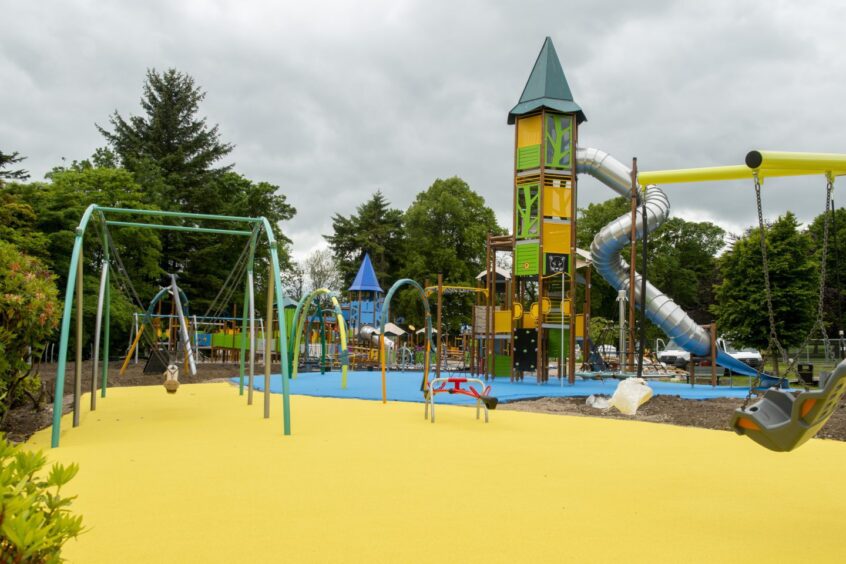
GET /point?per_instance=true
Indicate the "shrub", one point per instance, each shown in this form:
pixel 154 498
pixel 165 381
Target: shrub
pixel 29 313
pixel 35 520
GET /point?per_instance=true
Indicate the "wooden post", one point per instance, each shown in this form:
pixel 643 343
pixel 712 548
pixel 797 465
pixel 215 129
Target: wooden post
pixel 539 369
pixel 691 370
pixel 489 304
pixel 438 354
pixel 77 369
pixel 713 328
pixel 587 343
pixel 571 364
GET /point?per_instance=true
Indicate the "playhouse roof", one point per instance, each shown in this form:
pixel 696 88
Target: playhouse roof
pixel 546 88
pixel 365 280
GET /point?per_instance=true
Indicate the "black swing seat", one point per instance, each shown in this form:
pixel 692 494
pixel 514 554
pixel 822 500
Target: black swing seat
pixel 783 422
pixel 489 401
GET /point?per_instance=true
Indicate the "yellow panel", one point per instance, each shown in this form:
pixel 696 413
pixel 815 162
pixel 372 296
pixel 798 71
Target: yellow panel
pixel 517 310
pixel 567 305
pixel 529 131
pixel 529 322
pixel 502 321
pixel 580 325
pixel 557 202
pixel 556 237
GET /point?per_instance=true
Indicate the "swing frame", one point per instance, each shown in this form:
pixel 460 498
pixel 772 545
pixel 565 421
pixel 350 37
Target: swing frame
pixel 758 166
pixel 258 225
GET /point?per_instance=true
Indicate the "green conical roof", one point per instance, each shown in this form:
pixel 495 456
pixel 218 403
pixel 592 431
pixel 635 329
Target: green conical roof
pixel 546 88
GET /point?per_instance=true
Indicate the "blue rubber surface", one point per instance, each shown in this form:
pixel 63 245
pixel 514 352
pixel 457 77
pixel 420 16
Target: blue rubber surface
pixel 405 386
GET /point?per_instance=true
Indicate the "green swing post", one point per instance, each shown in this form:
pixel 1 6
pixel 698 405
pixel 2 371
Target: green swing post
pixel 242 356
pixel 65 328
pixel 248 325
pixel 283 337
pixel 77 369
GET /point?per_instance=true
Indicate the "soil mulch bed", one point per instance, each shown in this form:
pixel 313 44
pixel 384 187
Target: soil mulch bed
pixel 24 421
pixel 673 410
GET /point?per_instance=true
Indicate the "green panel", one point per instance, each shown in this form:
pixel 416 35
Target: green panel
pixel 528 211
pixel 289 318
pixel 558 131
pixel 223 340
pixel 526 259
pixel 218 339
pixel 502 365
pixel 553 344
pixel 528 157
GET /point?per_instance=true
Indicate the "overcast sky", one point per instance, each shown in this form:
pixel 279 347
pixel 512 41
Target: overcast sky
pixel 334 100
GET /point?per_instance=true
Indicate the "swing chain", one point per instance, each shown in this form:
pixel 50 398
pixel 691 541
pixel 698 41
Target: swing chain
pixel 773 336
pixel 818 321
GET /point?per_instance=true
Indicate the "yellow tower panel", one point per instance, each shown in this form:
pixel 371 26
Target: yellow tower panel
pixel 529 131
pixel 502 321
pixel 556 237
pixel 557 201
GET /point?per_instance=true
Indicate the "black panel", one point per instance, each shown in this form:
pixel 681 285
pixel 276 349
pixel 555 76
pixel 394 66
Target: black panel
pixel 555 263
pixel 525 349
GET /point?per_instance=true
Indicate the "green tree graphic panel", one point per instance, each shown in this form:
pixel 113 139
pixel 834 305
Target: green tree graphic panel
pixel 528 211
pixel 559 140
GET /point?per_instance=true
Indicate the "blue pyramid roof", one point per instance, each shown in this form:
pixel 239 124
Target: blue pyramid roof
pixel 365 280
pixel 546 88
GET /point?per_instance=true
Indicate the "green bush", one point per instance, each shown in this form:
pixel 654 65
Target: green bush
pixel 29 314
pixel 35 520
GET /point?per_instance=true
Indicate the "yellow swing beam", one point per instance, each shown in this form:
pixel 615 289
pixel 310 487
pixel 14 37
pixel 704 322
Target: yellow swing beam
pixel 764 163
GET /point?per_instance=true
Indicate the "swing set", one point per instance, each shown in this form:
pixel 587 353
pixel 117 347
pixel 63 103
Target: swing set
pixel 256 229
pixel 780 420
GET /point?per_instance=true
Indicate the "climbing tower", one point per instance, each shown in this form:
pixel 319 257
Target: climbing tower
pixel 543 240
pixel 365 297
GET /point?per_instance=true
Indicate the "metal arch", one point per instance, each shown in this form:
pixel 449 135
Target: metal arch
pixel 283 331
pixel 71 287
pixel 385 315
pixel 65 331
pixel 298 324
pixel 148 315
pixel 386 306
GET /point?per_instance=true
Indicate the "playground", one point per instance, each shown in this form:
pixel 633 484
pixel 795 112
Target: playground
pixel 269 421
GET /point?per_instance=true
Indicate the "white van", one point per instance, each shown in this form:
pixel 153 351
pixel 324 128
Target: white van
pixel 672 354
pixel 748 355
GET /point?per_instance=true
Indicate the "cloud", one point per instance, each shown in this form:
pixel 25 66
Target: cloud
pixel 334 101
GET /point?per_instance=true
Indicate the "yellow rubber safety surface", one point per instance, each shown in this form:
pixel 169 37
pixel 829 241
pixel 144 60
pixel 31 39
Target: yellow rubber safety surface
pixel 199 476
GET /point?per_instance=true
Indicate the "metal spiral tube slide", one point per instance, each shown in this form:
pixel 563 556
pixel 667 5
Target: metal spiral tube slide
pixel 606 247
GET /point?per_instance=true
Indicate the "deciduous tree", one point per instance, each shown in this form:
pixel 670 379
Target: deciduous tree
pixel 375 228
pixel 741 307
